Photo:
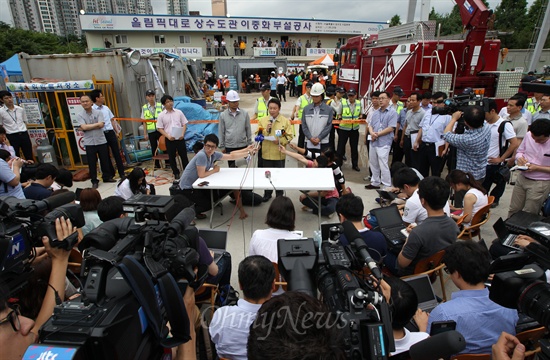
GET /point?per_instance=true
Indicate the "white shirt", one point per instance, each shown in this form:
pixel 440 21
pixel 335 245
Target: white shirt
pixel 124 191
pixel 264 242
pixel 508 134
pixel 414 212
pixel 481 201
pixel 107 116
pixel 15 120
pixel 281 80
pixel 410 338
pixel 503 113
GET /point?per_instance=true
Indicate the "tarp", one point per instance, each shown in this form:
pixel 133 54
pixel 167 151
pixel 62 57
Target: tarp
pixel 327 59
pixel 197 132
pixel 12 66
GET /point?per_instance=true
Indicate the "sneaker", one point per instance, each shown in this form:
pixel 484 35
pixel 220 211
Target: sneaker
pixel 372 187
pixel 266 198
pixel 366 178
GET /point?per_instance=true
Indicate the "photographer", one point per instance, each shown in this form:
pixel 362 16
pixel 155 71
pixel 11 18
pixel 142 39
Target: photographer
pixel 15 339
pixel 473 145
pixel 10 170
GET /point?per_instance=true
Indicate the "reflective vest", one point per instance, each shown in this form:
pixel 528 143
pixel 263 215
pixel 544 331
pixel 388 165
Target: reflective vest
pixel 530 106
pixel 262 107
pixel 347 115
pixel 147 115
pixel 303 103
pixel 399 107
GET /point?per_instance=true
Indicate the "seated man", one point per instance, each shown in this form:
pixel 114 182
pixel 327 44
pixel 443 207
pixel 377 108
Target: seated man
pixel 404 306
pixel 39 189
pixel 407 181
pixel 203 165
pixel 436 232
pixel 295 326
pixel 111 208
pixel 478 319
pixel 230 325
pixel 10 175
pixel 350 207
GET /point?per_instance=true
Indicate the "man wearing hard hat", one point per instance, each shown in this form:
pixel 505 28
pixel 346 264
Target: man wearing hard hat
pixel 317 121
pixel 234 129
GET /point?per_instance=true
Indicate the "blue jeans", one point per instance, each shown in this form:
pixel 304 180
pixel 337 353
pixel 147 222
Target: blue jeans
pixel 328 206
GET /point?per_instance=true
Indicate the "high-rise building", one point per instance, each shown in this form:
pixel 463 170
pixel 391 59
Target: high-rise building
pixel 219 8
pixel 177 7
pixel 117 6
pixel 25 15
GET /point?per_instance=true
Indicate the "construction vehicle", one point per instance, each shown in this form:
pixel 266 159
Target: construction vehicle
pixel 413 57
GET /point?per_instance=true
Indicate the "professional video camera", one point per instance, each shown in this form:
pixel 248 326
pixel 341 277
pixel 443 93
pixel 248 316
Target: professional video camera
pixel 367 330
pixel 129 293
pixel 520 281
pixel 459 103
pixel 22 225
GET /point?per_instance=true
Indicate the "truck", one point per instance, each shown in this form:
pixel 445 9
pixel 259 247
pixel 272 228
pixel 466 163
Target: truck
pixel 414 57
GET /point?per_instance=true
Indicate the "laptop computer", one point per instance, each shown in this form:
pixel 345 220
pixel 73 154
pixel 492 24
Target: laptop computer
pixel 427 300
pixel 216 240
pixel 504 236
pixel 390 224
pixel 386 195
pixel 520 221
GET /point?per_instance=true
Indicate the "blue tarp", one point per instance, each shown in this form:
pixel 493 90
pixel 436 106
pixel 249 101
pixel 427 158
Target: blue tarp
pixel 12 66
pixel 197 132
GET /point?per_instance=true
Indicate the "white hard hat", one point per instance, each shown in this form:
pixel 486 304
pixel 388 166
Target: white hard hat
pixel 252 76
pixel 317 89
pixel 225 76
pixel 315 73
pixel 221 76
pixel 232 95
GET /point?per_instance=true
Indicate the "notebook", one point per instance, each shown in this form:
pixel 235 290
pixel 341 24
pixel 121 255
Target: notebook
pixel 390 224
pixel 216 240
pixel 504 236
pixel 427 300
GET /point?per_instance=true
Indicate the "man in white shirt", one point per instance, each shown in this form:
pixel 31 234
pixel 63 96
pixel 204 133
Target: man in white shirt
pixel 168 122
pixel 281 86
pixel 516 115
pixel 504 112
pixel 109 130
pixel 230 325
pixel 14 120
pixel 502 133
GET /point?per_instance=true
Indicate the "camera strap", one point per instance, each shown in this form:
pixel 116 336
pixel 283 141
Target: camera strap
pixel 144 290
pixel 502 147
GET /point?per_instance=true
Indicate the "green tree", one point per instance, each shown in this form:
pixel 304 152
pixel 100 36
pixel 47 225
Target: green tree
pixel 451 23
pixel 14 41
pixel 395 20
pixel 525 34
pixel 511 16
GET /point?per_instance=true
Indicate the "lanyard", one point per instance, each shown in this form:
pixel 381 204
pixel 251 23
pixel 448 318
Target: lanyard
pixel 15 113
pixel 431 122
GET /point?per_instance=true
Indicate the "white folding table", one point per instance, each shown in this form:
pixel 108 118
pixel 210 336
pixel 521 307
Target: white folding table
pixel 255 179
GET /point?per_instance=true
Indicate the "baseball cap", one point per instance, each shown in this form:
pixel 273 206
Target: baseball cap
pixel 340 89
pixel 352 92
pixel 317 89
pixel 232 95
pixel 150 92
pixel 309 84
pixel 397 90
pixel 265 87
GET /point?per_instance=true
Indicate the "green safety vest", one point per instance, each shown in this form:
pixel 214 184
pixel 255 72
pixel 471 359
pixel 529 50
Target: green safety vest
pixel 262 108
pixel 304 102
pixel 530 106
pixel 147 115
pixel 399 107
pixel 347 115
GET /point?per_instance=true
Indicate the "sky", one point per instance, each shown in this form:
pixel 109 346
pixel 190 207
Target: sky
pixel 359 10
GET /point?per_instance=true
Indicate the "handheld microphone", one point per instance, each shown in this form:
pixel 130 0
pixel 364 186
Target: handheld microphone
pixel 354 237
pixel 270 125
pixel 259 138
pixel 442 345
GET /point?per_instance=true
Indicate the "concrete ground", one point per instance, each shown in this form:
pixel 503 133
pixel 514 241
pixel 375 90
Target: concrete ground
pixel 240 231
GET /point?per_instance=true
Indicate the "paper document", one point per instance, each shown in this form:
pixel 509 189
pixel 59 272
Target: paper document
pixel 439 148
pixel 269 138
pixel 176 132
pixel 413 138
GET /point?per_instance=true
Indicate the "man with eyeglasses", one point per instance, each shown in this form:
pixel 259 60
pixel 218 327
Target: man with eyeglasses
pixel 429 136
pixel 477 318
pixel 202 165
pixel 17 332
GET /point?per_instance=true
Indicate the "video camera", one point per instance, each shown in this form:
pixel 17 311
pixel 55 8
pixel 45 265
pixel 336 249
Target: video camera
pixel 460 103
pixel 130 292
pixel 363 313
pixel 22 226
pixel 520 281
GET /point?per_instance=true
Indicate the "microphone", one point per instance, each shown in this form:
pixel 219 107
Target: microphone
pixel 181 221
pixel 354 237
pixel 259 138
pixel 270 125
pixel 55 201
pixel 268 174
pixel 442 345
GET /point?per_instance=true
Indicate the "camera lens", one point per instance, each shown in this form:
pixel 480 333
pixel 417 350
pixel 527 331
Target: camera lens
pixel 534 301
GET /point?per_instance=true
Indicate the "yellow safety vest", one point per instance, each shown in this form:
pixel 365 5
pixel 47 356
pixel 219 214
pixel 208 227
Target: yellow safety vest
pixel 262 107
pixel 347 115
pixel 399 107
pixel 530 106
pixel 304 102
pixel 147 115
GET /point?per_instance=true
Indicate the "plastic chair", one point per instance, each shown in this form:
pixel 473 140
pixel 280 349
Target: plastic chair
pixel 431 266
pixel 530 338
pixel 460 220
pixel 471 357
pixel 479 219
pixel 163 156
